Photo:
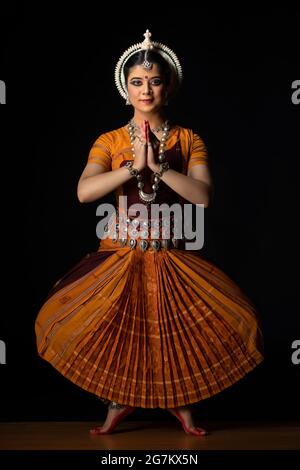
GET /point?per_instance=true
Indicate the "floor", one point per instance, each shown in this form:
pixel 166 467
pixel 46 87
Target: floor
pixel 136 444
pixel 141 435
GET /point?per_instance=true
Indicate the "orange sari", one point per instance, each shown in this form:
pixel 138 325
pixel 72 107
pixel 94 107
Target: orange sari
pixel 149 329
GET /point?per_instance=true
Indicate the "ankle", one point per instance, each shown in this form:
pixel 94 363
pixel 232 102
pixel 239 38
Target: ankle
pixel 115 406
pixel 181 409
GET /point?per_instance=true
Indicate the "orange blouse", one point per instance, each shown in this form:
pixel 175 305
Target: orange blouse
pixel 111 148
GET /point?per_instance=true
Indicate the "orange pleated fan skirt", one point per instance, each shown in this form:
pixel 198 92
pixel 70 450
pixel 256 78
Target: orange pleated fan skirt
pixel 149 329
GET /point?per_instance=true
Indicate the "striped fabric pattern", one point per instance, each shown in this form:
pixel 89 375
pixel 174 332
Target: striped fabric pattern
pixel 153 329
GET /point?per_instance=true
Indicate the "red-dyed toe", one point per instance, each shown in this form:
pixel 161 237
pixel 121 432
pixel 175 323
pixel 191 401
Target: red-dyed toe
pixel 197 431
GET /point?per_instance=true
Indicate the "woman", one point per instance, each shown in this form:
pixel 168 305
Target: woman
pixel 145 322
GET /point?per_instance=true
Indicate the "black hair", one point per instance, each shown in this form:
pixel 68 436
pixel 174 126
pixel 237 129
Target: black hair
pixel 153 57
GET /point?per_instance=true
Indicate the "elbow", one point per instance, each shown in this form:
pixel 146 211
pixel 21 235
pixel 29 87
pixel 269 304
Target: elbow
pixel 203 203
pixel 81 196
pixel 206 198
pixel 80 199
pixel 203 195
pixel 206 203
pixel 84 196
pixel 82 192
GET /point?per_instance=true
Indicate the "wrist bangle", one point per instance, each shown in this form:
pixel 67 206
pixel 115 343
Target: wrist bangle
pixel 132 171
pixel 162 168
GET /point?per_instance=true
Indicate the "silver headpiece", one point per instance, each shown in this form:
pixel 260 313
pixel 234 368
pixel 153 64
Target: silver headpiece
pixel 147 45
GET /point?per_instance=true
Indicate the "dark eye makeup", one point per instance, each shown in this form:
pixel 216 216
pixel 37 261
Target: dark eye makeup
pixel 153 81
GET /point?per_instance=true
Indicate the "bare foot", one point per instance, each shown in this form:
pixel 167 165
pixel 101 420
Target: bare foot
pixel 184 415
pixel 116 413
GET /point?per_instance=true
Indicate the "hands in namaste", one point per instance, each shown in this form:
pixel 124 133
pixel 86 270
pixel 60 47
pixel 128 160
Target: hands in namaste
pixel 144 155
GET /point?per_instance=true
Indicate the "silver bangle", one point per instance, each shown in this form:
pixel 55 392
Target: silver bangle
pixel 132 171
pixel 162 168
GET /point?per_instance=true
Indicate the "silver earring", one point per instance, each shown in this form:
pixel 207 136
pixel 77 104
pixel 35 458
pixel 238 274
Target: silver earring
pixel 127 100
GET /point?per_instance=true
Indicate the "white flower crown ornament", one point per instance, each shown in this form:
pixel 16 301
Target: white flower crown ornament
pixel 147 45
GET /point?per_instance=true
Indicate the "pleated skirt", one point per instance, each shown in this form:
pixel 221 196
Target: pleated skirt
pixel 149 329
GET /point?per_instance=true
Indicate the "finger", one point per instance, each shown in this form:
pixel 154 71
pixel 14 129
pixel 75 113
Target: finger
pixel 150 156
pixel 150 153
pixel 147 131
pixel 139 144
pixel 144 129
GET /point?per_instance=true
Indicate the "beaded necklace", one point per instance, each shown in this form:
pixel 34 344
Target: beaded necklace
pixel 153 129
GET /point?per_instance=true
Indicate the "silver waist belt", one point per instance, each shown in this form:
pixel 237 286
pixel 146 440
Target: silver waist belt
pixel 155 245
pixel 162 241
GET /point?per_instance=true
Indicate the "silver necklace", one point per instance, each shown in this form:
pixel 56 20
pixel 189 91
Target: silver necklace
pixel 153 129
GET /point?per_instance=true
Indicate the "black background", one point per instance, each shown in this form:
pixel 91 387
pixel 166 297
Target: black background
pixel 238 70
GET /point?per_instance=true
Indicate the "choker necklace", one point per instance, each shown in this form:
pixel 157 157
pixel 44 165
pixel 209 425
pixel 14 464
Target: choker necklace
pixel 148 198
pixel 153 129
